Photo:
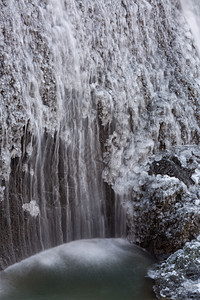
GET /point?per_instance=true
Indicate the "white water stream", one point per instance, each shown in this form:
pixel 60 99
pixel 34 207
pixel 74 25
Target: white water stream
pixel 191 11
pixel 89 91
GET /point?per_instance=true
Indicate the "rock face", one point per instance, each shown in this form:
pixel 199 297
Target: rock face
pixel 178 277
pixel 165 208
pixel 147 163
pixel 92 87
pixel 171 166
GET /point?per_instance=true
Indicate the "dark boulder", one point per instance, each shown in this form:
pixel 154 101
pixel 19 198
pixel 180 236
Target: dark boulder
pixel 165 204
pixel 171 166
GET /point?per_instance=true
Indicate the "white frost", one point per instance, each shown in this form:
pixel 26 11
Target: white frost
pixel 32 208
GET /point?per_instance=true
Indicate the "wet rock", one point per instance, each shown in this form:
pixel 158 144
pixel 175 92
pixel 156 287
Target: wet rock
pixel 193 271
pixel 171 166
pixel 178 276
pixel 165 211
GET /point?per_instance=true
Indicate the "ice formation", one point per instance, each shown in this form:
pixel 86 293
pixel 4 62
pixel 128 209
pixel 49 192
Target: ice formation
pixel 99 105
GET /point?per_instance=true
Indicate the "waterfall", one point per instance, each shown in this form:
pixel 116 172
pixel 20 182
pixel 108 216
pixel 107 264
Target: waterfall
pixel 52 188
pixel 191 11
pixel 91 92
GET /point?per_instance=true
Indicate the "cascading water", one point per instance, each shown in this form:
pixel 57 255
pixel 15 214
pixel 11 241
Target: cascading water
pixel 52 189
pixel 191 11
pixel 50 155
pixel 99 106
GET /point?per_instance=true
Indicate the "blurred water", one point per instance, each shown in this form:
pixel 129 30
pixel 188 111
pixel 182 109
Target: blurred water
pixel 191 10
pixel 87 269
pixel 89 91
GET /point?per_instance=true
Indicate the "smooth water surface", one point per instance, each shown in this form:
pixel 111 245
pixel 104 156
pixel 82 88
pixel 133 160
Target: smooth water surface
pixel 81 270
